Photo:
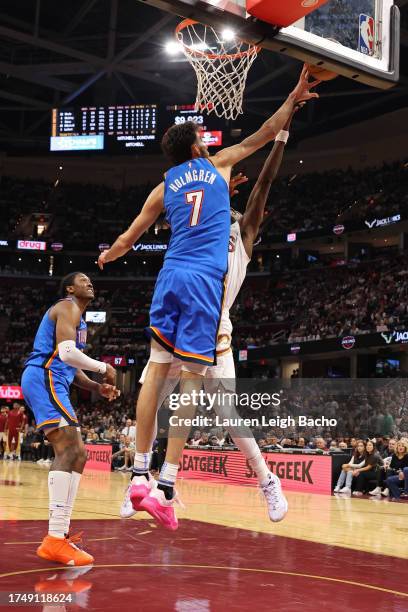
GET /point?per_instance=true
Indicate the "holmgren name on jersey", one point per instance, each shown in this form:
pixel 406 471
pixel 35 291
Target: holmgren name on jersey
pixel 193 176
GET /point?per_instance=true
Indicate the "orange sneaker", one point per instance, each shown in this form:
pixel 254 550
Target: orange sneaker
pixel 64 550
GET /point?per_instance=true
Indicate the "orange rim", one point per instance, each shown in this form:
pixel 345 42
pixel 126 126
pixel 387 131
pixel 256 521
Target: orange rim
pixel 253 49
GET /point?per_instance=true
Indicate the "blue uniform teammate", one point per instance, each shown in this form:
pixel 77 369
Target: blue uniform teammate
pixel 187 301
pixel 57 361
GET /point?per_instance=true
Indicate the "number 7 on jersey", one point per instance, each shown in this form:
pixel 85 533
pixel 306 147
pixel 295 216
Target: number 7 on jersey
pixel 195 199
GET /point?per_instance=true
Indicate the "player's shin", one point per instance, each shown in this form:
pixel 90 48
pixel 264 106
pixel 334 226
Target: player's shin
pixel 190 386
pixel 147 405
pixel 250 449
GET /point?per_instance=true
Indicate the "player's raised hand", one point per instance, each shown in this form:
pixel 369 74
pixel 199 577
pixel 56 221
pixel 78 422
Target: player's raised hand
pixel 302 92
pixel 235 181
pixel 102 259
pixel 109 392
pixel 110 375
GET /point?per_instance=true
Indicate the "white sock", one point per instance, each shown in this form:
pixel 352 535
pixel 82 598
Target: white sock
pixel 141 463
pixel 251 450
pixel 168 474
pixel 59 484
pixel 72 493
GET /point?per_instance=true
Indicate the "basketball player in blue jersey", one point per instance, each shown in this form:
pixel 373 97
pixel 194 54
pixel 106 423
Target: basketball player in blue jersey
pixel 243 232
pixel 56 362
pixel 187 300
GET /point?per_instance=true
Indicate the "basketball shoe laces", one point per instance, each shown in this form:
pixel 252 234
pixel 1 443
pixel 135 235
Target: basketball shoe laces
pixel 271 492
pixel 75 540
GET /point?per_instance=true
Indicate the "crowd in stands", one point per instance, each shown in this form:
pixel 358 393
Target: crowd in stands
pixel 21 309
pixel 299 306
pixel 356 299
pixel 315 201
pixel 290 305
pixel 296 203
pixel 375 465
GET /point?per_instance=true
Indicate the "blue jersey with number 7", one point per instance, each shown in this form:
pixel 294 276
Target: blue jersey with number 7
pixel 197 203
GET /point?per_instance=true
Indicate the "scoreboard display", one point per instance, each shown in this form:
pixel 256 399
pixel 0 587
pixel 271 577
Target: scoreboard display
pixel 211 127
pixel 104 128
pixel 125 128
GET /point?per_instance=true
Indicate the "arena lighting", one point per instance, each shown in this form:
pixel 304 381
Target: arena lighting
pixel 172 47
pixel 228 34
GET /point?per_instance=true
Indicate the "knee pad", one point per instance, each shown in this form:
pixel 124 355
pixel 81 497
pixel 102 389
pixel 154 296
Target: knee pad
pixel 194 368
pixel 158 354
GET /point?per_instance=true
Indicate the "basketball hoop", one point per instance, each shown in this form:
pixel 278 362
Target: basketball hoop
pixel 221 63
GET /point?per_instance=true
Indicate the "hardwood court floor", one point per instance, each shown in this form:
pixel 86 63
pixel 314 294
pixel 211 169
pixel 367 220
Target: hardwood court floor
pixel 345 553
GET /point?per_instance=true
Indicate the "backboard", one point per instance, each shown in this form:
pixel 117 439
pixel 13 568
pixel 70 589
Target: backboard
pixel 358 39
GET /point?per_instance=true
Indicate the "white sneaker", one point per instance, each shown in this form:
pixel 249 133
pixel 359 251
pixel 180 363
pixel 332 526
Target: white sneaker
pixel 40 461
pixel 275 499
pixel 336 489
pixel 345 490
pixel 376 491
pixel 126 509
pixel 47 461
pixel 140 487
pixel 17 458
pixel 357 493
pixel 385 493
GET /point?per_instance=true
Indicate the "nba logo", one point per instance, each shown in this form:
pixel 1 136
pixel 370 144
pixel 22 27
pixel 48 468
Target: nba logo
pixel 366 35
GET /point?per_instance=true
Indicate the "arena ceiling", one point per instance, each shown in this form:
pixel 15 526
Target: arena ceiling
pixel 111 51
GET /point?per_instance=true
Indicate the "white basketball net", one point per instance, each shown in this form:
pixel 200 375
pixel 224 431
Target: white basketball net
pixel 221 67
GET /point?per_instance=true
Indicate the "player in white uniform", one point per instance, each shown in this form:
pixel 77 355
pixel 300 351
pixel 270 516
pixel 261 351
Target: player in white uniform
pixel 244 230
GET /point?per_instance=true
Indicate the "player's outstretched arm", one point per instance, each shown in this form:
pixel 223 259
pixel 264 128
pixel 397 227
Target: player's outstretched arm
pixel 232 155
pixel 148 215
pixel 67 317
pixel 255 208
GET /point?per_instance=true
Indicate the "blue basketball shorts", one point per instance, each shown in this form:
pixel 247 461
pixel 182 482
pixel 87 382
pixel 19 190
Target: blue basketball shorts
pixel 185 313
pixel 47 394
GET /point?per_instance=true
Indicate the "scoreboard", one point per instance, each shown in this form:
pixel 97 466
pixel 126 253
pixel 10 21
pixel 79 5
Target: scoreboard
pixel 109 128
pixel 125 128
pixel 211 127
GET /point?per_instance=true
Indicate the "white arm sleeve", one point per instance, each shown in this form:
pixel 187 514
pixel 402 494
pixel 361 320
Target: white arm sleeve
pixel 68 353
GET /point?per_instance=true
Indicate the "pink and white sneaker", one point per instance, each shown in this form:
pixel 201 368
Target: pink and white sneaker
pixel 139 488
pixel 160 508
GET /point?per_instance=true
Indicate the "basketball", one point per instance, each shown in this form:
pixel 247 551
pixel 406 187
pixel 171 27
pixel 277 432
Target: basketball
pixel 321 73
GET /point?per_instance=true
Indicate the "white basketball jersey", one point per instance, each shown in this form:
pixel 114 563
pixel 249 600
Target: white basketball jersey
pixel 238 261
